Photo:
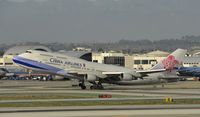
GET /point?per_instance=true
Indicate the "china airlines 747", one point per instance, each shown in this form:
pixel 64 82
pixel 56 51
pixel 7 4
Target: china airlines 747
pixel 95 73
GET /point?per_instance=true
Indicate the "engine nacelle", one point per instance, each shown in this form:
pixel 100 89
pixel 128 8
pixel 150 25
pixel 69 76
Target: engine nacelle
pixel 91 78
pixel 127 77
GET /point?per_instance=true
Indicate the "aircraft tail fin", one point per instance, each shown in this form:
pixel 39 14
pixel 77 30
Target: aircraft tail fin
pixel 171 61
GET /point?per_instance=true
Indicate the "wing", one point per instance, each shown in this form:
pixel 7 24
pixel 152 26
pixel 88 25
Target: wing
pixel 79 74
pixel 146 72
pixel 150 71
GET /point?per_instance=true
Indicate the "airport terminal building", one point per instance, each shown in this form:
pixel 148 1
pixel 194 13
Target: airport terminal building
pixel 135 61
pixel 141 61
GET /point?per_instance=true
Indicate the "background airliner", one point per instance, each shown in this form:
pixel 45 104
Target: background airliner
pixel 189 71
pixel 5 73
pixel 95 73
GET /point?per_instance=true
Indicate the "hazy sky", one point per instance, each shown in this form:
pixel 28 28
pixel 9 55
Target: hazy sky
pixel 97 20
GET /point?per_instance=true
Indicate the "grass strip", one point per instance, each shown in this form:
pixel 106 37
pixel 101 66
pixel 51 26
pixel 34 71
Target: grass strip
pixel 100 103
pixel 35 96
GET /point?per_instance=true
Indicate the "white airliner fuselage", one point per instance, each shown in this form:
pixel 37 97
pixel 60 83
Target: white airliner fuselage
pixel 62 64
pixel 83 70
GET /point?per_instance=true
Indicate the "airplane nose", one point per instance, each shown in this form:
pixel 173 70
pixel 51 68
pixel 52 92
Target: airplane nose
pixel 19 60
pixel 16 59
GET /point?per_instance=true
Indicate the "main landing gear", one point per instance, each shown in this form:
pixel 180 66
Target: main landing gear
pixel 97 86
pixel 94 85
pixel 82 85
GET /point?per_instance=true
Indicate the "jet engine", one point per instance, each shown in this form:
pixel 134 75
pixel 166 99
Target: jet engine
pixel 91 78
pixel 127 77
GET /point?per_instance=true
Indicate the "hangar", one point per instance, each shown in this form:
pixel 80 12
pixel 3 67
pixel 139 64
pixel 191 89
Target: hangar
pixel 6 59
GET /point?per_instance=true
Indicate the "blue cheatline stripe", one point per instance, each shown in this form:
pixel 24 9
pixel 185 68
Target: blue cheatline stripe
pixel 34 64
pixel 28 65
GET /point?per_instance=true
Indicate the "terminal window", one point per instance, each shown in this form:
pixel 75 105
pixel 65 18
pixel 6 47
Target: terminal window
pixel 136 61
pixel 152 61
pixel 145 62
pixel 8 63
pixel 96 61
pixel 115 60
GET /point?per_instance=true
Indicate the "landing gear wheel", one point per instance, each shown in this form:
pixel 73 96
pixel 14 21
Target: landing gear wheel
pixel 100 87
pixel 83 87
pixel 80 84
pixel 91 87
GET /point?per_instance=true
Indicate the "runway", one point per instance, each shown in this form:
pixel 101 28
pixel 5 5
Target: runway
pixel 92 99
pixel 179 89
pixel 107 111
pixel 123 113
pixel 8 89
pixel 58 91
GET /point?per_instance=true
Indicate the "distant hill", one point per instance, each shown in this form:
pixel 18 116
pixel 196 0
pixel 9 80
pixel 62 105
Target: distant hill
pixel 126 46
pixel 142 46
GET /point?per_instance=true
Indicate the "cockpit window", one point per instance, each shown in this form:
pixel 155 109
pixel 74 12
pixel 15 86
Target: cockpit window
pixel 28 51
pixel 40 49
